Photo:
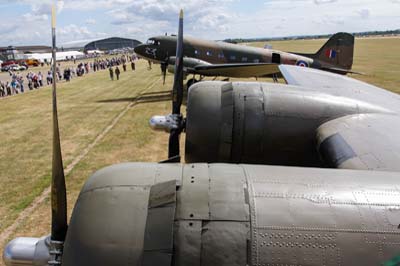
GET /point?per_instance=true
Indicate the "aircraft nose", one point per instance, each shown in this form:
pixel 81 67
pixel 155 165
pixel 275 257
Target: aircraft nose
pixel 140 49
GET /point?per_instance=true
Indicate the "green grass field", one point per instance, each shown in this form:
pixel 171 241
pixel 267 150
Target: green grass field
pixel 88 105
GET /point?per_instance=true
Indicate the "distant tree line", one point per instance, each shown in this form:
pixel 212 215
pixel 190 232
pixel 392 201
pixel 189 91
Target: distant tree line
pixel 306 37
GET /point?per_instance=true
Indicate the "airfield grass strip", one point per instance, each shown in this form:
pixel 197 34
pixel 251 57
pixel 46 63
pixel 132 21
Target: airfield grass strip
pixel 29 204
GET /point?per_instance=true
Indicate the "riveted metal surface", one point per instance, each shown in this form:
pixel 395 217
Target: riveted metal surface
pixel 124 174
pixel 224 243
pixel 203 122
pixel 111 216
pixel 225 145
pixel 159 229
pixel 158 241
pixel 162 194
pixel 187 243
pixel 252 114
pixel 167 172
pixel 192 197
pixel 227 193
pixel 107 227
pixel 152 258
pixel 322 217
pixel 238 125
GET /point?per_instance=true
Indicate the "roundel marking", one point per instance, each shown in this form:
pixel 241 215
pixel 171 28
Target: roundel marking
pixel 302 63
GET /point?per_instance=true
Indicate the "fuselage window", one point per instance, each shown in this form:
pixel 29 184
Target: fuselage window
pixel 232 57
pixel 256 60
pixel 244 59
pixel 209 53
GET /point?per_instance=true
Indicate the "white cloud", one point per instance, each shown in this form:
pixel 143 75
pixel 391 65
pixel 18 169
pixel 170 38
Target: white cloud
pixel 209 19
pixel 90 21
pixel 365 13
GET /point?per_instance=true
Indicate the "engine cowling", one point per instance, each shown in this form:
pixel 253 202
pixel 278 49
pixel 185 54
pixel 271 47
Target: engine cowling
pixel 221 214
pixel 260 123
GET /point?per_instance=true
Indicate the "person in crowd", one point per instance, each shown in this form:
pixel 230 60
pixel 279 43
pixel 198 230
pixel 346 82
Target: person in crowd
pixel 20 82
pixel 8 88
pixel 111 73
pixel 14 86
pixel 2 89
pixel 40 79
pixel 117 72
pixel 49 78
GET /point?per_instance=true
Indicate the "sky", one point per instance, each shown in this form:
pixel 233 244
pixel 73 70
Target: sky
pixel 27 22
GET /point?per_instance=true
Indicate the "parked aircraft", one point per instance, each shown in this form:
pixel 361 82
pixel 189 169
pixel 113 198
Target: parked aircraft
pixel 213 211
pixel 209 58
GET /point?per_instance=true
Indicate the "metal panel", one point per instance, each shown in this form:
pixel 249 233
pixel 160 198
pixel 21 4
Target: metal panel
pixel 162 194
pixel 107 227
pixel 224 243
pixel 159 229
pixel 167 172
pixel 225 142
pixel 187 243
pixel 322 217
pixel 193 194
pixel 227 193
pixel 238 125
pixel 158 240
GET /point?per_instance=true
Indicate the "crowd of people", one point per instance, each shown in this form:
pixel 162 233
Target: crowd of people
pixel 37 80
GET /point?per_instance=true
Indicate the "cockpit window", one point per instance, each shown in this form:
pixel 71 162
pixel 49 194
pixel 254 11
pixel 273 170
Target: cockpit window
pixel 153 42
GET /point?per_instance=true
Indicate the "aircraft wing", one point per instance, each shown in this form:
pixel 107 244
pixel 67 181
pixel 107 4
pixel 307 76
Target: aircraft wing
pixel 240 70
pixel 363 141
pixel 309 77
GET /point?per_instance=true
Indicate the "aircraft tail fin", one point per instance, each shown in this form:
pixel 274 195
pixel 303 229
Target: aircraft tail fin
pixel 337 51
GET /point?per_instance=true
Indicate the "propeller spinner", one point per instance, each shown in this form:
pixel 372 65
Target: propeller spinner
pixel 174 123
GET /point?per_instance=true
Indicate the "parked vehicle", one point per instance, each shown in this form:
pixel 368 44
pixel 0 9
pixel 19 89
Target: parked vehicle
pixel 14 67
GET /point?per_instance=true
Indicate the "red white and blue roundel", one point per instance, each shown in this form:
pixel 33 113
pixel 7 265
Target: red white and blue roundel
pixel 302 63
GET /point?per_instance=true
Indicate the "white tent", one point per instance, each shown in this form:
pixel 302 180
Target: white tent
pixel 59 55
pixel 95 52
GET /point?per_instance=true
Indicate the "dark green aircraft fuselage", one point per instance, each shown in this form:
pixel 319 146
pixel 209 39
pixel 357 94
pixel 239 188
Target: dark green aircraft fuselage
pixel 336 54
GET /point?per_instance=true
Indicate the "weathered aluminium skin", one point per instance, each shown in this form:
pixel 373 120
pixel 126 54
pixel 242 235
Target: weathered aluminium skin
pixel 223 214
pixel 320 120
pixel 216 58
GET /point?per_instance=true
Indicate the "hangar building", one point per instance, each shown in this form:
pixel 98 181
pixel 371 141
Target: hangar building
pixel 111 44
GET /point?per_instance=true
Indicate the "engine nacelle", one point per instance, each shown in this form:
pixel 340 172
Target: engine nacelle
pixel 228 214
pixel 260 123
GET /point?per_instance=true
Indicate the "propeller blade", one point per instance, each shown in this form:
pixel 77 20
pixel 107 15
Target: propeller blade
pixel 58 191
pixel 177 92
pixel 178 73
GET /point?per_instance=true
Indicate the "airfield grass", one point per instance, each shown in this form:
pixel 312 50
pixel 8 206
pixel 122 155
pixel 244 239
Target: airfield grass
pixel 86 106
pixel 89 104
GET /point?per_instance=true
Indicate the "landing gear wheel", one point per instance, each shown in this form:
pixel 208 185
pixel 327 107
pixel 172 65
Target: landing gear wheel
pixel 190 82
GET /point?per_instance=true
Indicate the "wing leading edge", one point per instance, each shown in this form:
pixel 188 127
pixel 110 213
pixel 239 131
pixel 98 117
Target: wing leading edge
pixel 367 141
pixel 364 141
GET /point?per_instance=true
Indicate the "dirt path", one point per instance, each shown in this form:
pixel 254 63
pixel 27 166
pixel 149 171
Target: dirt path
pixel 5 235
